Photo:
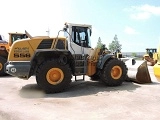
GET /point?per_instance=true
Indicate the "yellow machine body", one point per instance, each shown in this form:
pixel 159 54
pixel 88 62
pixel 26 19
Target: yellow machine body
pixel 156 67
pixel 151 56
pixel 53 61
pixel 5 48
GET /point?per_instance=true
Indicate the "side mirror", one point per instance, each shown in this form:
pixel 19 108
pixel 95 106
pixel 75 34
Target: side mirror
pixel 64 29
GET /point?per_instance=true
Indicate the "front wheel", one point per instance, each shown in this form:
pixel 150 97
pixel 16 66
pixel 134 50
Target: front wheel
pixel 114 73
pixel 53 77
pixel 2 62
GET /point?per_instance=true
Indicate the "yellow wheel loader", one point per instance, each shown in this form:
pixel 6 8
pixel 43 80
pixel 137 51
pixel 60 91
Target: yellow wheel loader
pixel 156 67
pixel 151 56
pixel 53 61
pixel 5 46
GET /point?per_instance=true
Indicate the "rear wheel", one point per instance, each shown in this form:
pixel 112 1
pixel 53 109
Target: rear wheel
pixel 2 62
pixel 53 77
pixel 114 73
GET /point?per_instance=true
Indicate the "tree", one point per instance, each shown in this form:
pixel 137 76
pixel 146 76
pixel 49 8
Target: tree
pixel 99 43
pixel 134 54
pixel 115 45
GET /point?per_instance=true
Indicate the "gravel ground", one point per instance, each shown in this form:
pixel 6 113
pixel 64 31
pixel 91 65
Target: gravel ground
pixel 84 100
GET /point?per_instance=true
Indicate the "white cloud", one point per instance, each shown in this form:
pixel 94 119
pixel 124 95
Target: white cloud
pixel 130 30
pixel 143 12
pixel 150 9
pixel 141 16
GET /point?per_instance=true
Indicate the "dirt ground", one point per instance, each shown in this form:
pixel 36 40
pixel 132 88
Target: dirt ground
pixel 84 100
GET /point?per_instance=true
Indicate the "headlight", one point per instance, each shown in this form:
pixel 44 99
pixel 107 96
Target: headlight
pixel 13 70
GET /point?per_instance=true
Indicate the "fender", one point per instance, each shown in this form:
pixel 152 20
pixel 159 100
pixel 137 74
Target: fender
pixel 102 60
pixel 41 55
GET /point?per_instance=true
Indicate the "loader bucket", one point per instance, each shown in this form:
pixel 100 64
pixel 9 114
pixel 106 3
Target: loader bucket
pixel 143 75
pixel 138 71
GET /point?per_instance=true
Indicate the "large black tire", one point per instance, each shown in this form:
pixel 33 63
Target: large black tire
pixel 2 62
pixel 53 77
pixel 95 77
pixel 114 72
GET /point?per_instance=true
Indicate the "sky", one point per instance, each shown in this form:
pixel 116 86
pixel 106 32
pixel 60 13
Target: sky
pixel 135 22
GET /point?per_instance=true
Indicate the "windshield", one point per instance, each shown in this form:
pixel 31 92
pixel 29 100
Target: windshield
pixel 15 37
pixel 1 37
pixel 81 35
pixel 151 50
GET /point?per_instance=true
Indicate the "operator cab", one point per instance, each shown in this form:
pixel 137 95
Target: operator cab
pixel 78 36
pixel 2 39
pixel 151 51
pixel 17 36
pixel 81 36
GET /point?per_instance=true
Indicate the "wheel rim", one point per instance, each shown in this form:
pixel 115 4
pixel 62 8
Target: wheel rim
pixel 55 76
pixel 116 72
pixel 1 66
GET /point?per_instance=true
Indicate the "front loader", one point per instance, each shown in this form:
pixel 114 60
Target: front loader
pixel 156 67
pixel 5 47
pixel 151 56
pixel 53 61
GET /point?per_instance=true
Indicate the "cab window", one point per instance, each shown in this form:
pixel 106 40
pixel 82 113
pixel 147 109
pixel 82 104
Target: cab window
pixel 15 37
pixel 81 36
